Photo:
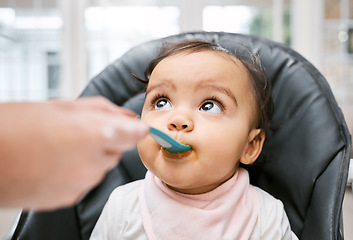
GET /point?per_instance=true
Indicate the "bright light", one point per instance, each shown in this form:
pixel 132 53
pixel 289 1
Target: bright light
pixel 38 22
pixel 156 21
pixel 7 15
pixel 227 18
pixel 342 36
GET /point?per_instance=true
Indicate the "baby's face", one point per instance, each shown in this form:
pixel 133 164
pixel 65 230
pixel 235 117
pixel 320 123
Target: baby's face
pixel 203 100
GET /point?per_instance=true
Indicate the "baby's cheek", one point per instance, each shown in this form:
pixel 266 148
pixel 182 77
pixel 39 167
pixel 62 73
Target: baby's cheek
pixel 148 149
pixel 228 149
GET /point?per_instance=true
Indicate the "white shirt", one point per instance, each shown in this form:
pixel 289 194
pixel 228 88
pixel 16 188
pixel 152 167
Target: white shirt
pixel 121 217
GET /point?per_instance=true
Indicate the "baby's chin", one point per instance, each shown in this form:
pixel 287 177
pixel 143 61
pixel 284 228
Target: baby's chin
pixel 185 184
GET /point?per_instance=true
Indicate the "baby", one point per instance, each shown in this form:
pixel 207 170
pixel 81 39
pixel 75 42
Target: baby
pixel 203 96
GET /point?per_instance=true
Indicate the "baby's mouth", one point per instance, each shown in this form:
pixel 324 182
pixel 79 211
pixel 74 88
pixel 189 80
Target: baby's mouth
pixel 176 155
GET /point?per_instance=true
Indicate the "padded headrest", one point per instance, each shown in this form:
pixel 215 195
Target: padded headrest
pixel 305 158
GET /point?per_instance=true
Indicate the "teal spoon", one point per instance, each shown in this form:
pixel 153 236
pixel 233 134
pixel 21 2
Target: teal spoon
pixel 167 142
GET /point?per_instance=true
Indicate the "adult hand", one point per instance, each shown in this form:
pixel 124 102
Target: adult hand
pixel 52 153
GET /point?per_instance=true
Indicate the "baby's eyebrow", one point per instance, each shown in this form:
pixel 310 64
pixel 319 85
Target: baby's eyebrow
pixel 159 85
pixel 221 89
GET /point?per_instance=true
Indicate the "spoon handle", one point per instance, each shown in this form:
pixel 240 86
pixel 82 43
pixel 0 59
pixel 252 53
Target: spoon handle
pixel 167 142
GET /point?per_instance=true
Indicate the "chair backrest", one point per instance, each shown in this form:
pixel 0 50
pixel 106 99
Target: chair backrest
pixel 305 158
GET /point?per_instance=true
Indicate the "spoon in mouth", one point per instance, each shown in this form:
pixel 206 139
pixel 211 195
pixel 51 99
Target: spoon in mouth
pixel 167 142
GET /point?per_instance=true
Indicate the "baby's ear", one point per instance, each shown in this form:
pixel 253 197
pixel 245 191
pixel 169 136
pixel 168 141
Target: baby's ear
pixel 255 142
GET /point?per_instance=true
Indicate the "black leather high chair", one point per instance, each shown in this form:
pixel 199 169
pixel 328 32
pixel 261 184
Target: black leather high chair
pixel 305 159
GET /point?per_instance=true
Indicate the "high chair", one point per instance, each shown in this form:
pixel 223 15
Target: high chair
pixel 305 159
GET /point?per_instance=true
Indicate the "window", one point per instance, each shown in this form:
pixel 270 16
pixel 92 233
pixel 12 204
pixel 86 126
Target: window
pixel 255 20
pixel 111 31
pixel 235 19
pixel 26 36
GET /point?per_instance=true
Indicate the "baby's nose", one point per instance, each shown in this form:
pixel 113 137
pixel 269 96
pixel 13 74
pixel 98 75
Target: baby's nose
pixel 180 123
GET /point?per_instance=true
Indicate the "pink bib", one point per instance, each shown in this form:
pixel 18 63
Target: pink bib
pixel 228 212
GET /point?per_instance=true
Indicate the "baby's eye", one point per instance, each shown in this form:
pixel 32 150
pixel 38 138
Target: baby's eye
pixel 210 107
pixel 162 104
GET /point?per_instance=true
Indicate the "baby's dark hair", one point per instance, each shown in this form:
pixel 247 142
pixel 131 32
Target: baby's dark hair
pixel 259 82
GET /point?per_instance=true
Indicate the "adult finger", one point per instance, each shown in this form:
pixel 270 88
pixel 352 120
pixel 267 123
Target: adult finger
pixel 124 133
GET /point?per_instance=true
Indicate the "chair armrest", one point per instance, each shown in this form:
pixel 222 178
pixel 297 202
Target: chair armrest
pixel 350 174
pixel 15 222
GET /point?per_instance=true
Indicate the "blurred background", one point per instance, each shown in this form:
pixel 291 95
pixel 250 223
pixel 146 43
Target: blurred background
pixel 51 48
